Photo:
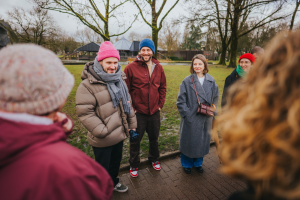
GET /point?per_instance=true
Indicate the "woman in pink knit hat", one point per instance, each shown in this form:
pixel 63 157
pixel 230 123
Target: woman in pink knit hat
pixel 104 108
pixel 35 160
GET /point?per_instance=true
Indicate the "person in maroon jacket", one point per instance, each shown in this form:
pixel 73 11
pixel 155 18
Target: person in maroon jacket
pixel 146 83
pixel 35 160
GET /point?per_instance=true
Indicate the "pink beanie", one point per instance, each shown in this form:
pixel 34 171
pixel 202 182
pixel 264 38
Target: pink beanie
pixel 107 50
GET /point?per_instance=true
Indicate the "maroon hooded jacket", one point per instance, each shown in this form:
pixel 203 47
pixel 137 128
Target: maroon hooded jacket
pixel 148 94
pixel 36 163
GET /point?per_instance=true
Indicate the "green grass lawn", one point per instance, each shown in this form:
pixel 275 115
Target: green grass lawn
pixel 169 131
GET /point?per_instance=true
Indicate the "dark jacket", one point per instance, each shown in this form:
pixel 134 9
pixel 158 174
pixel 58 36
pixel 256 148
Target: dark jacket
pixel 37 163
pixel 195 128
pixel 148 93
pixel 249 194
pixel 232 78
pixel 106 125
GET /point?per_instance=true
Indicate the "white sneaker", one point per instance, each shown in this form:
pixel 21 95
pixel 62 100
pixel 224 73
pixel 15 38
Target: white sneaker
pixel 120 188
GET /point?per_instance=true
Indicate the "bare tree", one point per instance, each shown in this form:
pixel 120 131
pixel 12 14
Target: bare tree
pixel 92 36
pixel 134 36
pixel 214 14
pixel 242 9
pixel 294 13
pixel 80 36
pixel 213 41
pixel 230 16
pixel 155 26
pixel 169 37
pixel 32 25
pixel 89 13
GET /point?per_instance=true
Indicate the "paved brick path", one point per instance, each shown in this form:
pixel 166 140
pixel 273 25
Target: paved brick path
pixel 172 183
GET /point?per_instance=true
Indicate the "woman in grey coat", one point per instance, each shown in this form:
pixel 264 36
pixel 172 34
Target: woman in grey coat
pixel 195 128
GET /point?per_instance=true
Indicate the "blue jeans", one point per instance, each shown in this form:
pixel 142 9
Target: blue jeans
pixel 187 162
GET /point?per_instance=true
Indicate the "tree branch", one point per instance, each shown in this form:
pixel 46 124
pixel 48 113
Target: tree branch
pixel 97 11
pixel 161 8
pixel 118 6
pixel 141 12
pixel 160 24
pixel 126 29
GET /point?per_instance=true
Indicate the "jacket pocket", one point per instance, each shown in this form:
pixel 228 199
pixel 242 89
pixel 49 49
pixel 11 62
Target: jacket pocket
pixel 135 98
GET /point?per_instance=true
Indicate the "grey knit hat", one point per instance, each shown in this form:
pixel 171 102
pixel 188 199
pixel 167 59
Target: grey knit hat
pixel 32 80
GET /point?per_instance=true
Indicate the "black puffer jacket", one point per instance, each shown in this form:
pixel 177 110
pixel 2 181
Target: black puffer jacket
pixel 232 78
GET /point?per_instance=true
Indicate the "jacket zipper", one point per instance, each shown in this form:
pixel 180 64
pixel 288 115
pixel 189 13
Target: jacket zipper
pixel 147 69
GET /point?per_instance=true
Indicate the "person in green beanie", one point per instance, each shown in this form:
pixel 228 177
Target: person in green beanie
pixel 246 61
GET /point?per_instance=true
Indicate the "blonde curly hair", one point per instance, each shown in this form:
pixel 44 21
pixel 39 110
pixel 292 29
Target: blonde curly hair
pixel 261 124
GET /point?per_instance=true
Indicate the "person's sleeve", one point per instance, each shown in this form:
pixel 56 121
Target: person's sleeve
pixel 128 77
pixel 162 90
pixel 224 95
pixel 131 118
pixel 85 109
pixel 182 101
pixel 216 97
pixel 128 80
pixel 85 179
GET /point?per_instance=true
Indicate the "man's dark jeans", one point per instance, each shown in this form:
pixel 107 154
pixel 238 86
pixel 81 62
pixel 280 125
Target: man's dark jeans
pixel 150 124
pixel 110 158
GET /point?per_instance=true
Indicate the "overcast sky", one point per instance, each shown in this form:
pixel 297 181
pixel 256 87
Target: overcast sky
pixel 70 24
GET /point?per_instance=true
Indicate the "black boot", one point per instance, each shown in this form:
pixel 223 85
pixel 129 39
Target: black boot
pixel 187 170
pixel 199 169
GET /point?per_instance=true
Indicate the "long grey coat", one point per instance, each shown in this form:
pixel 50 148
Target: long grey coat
pixel 195 128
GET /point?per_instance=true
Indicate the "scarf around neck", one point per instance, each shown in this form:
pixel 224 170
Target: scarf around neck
pixel 115 85
pixel 240 71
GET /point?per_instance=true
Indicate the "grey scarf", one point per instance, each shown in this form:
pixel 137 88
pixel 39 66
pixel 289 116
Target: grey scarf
pixel 115 85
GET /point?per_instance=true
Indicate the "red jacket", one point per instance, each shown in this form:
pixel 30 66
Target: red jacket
pixel 37 163
pixel 148 94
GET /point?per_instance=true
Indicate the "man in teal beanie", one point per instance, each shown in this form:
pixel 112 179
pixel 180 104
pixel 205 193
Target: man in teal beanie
pixel 146 82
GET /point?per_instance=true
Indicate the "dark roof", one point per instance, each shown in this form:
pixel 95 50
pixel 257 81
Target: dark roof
pixel 91 47
pixel 135 46
pixel 4 40
pixel 122 44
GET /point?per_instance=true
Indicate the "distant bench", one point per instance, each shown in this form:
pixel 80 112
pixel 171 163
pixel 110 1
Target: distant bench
pixel 130 60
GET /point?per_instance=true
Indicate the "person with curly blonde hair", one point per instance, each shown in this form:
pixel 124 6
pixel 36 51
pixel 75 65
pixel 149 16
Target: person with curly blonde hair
pixel 261 124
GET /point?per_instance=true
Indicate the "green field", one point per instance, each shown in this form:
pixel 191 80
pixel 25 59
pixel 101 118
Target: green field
pixel 169 131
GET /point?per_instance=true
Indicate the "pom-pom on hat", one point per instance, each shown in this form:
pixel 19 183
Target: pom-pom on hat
pixel 147 43
pixel 107 50
pixel 33 80
pixel 249 56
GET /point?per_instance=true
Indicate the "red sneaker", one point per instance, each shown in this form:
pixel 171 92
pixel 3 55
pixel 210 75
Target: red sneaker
pixel 156 165
pixel 133 172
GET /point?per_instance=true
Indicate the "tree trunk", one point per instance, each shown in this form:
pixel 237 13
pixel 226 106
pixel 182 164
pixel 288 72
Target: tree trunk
pixel 223 54
pixel 294 15
pixel 234 34
pixel 155 40
pixel 154 27
pixel 233 52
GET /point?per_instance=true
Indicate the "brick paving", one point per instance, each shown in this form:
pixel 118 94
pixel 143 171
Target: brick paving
pixel 172 183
